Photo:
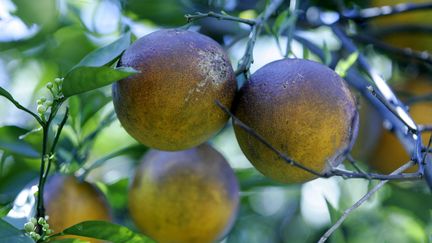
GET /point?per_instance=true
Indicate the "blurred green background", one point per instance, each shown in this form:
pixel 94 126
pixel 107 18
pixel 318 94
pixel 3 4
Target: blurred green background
pixel 41 40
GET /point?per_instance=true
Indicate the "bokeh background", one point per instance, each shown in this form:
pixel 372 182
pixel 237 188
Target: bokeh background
pixel 41 40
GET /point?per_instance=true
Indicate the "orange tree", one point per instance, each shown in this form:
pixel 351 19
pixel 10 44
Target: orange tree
pixel 66 161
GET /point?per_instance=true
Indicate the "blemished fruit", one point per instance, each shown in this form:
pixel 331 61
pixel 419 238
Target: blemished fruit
pixel 417 40
pixel 389 153
pixel 303 109
pixel 170 104
pixel 69 201
pixel 184 196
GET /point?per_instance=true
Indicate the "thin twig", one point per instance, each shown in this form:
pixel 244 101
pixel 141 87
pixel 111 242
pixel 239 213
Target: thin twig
pixel 402 28
pixel 354 164
pixel 374 12
pixel 347 212
pixel 427 149
pixel 389 99
pixel 54 145
pixel 419 98
pixel 247 59
pixel 59 130
pixel 373 176
pixel 425 128
pixel 8 96
pixel 391 108
pixel 422 57
pixel 333 172
pixel 46 159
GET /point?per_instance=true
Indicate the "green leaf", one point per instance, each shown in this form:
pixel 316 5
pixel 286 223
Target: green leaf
pixel 83 79
pixel 92 103
pixel 415 201
pixel 11 143
pixel 5 209
pixel 337 236
pixel 85 106
pixel 114 154
pixel 162 13
pixel 106 54
pixel 279 21
pixel 116 192
pixel 345 64
pixel 8 233
pixel 8 96
pixel 103 230
pixel 306 53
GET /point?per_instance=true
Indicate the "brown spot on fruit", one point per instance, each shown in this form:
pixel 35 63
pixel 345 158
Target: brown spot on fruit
pixel 170 104
pixel 304 109
pixel 184 196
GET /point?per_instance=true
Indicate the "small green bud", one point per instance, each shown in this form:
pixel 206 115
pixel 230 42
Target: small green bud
pixel 48 103
pixel 29 227
pixel 58 80
pixel 41 221
pixel 35 236
pixel 33 220
pixel 39 102
pixel 45 227
pixel 49 85
pixel 49 231
pixel 41 109
pixel 42 99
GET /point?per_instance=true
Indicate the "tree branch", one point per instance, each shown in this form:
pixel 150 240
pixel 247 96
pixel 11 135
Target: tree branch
pixel 333 172
pixel 247 59
pixel 368 13
pixel 347 212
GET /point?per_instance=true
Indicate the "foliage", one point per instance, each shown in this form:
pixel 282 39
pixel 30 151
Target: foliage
pixel 78 133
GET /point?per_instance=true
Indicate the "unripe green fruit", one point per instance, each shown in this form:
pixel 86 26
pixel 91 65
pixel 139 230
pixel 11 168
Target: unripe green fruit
pixel 184 196
pixel 303 109
pixel 170 104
